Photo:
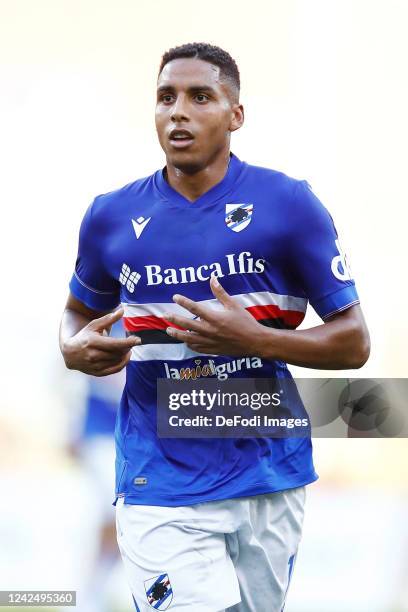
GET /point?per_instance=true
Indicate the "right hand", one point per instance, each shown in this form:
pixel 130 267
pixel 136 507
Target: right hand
pixel 93 352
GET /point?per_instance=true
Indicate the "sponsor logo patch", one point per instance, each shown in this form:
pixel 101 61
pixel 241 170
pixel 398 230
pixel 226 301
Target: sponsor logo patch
pixel 221 370
pixel 340 266
pixel 128 278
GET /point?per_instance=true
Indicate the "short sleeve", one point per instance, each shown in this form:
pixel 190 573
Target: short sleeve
pixel 317 259
pixel 90 282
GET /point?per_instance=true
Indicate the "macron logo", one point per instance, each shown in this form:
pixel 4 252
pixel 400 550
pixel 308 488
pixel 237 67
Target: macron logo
pixel 139 225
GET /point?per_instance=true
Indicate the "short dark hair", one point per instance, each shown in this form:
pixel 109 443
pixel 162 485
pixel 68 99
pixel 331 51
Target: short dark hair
pixel 208 53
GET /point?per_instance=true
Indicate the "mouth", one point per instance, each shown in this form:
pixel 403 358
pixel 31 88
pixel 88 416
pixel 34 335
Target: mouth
pixel 180 139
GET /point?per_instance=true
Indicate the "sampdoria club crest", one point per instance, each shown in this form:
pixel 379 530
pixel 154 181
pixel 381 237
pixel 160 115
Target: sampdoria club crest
pixel 159 592
pixel 238 216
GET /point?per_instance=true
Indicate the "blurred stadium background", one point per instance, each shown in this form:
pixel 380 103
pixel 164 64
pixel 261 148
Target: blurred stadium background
pixel 325 92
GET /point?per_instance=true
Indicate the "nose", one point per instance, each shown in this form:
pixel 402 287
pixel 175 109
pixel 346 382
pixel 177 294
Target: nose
pixel 179 112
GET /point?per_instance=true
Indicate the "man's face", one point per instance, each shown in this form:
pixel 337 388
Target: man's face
pixel 195 113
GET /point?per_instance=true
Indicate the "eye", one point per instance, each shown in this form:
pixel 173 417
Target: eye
pixel 201 97
pixel 167 98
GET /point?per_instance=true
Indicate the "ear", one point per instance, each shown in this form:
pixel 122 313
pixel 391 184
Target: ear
pixel 237 117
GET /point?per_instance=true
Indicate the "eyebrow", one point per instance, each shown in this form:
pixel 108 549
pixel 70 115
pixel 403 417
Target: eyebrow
pixel 191 89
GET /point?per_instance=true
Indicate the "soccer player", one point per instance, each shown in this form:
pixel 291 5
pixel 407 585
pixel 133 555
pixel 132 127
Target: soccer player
pixel 213 262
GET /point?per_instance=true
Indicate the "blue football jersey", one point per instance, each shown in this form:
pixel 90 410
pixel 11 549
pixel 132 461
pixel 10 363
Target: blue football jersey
pixel 274 247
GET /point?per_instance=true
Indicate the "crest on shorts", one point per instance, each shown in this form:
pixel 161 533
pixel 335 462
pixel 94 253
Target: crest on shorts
pixel 159 592
pixel 238 216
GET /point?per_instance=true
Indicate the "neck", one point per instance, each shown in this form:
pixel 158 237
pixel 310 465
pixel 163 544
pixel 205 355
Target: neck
pixel 192 186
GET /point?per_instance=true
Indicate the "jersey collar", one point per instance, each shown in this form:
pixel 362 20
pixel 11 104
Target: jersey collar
pixel 235 169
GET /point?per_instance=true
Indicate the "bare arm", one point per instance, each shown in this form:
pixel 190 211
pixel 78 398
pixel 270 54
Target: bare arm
pixel 342 342
pixel 84 342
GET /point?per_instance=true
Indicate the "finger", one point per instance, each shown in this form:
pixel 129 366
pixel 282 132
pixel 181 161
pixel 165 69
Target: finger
pixel 220 293
pixel 104 359
pixel 107 320
pixel 114 345
pixel 201 344
pixel 189 324
pixel 113 369
pixel 202 348
pixel 184 336
pixel 196 309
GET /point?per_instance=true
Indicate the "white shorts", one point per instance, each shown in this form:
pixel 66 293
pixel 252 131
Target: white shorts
pixel 237 554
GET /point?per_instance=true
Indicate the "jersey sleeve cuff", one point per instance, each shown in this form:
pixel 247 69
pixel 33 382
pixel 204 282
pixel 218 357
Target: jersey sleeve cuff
pixel 97 300
pixel 336 302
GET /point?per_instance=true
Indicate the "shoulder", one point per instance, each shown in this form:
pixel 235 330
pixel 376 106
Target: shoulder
pixel 294 196
pixel 111 203
pixel 282 185
pixel 296 191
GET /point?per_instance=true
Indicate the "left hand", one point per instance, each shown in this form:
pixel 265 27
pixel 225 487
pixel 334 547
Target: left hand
pixel 231 331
